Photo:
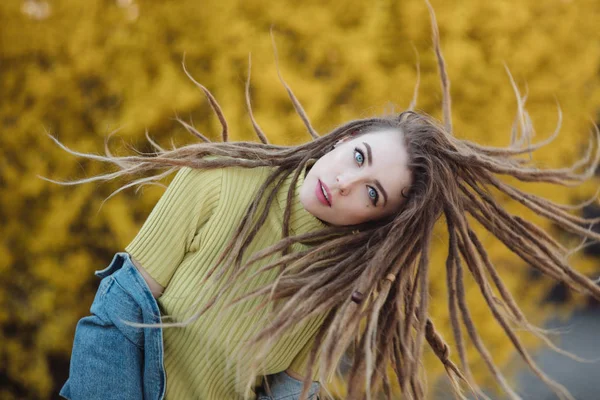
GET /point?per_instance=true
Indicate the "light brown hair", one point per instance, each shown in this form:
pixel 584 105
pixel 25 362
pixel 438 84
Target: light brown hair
pixel 387 261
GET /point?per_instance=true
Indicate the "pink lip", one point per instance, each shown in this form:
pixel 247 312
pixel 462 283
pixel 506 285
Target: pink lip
pixel 320 195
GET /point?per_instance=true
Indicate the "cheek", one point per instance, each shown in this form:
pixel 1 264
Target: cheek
pixel 361 218
pixel 359 210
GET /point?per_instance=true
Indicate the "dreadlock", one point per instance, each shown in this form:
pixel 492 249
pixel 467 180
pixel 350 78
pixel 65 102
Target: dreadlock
pixel 371 280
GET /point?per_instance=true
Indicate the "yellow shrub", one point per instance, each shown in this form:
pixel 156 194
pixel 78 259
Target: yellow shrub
pixel 83 69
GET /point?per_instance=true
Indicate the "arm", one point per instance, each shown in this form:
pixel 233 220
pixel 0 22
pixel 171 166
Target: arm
pixel 105 350
pixel 168 232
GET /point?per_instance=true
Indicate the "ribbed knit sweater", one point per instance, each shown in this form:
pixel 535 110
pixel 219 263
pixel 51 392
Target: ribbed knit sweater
pixel 184 234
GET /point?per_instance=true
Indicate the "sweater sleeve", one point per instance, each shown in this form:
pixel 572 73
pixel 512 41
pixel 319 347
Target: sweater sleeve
pixel 167 233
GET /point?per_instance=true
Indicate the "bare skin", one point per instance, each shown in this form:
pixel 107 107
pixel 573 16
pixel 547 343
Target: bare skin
pixel 363 175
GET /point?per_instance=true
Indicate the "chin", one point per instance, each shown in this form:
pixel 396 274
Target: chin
pixel 309 204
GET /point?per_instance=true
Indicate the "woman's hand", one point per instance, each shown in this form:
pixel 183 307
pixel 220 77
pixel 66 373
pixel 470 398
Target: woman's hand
pixel 156 289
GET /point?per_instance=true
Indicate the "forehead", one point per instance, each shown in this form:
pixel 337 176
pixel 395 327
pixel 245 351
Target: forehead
pixel 387 146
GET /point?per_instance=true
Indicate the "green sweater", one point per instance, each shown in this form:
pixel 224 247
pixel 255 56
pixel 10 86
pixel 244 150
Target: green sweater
pixel 183 235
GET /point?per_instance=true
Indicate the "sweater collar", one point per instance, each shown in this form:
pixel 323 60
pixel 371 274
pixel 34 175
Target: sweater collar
pixel 301 221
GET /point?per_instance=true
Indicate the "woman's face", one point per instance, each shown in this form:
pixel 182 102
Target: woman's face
pixel 363 177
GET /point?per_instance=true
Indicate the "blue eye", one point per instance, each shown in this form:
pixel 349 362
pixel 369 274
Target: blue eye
pixel 360 159
pixel 372 193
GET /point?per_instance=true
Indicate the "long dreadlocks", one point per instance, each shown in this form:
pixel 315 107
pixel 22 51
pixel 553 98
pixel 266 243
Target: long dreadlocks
pixel 371 280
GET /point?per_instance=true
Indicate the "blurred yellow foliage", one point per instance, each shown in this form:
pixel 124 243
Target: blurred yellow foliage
pixel 83 69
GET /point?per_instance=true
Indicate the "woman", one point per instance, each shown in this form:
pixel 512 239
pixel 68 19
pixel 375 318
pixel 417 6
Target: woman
pixel 276 261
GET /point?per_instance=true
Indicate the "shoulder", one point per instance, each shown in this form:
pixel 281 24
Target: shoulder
pixel 233 182
pixel 202 181
pixel 247 177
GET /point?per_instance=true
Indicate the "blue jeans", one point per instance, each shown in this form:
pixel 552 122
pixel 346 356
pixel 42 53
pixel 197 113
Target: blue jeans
pixel 284 387
pixel 112 360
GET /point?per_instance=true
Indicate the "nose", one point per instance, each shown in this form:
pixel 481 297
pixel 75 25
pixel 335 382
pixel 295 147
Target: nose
pixel 346 181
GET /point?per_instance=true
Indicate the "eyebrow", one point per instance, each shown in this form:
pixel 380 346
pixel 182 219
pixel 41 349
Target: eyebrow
pixel 377 183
